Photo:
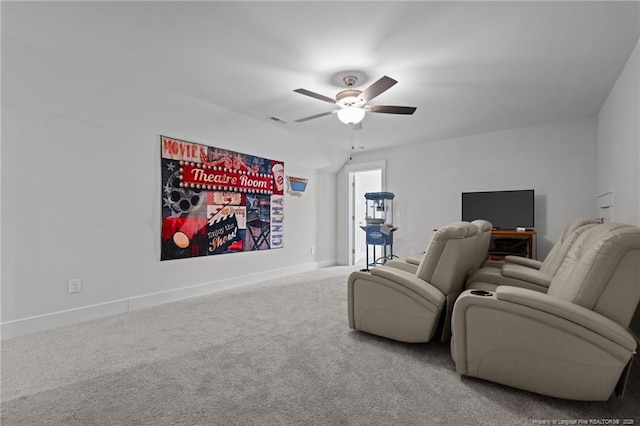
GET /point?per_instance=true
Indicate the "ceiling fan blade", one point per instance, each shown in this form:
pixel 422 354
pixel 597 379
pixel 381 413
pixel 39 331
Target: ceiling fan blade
pixel 315 95
pixel 391 109
pixel 311 117
pixel 376 88
pixel 357 126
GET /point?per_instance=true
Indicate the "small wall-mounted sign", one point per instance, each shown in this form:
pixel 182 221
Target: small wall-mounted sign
pixel 296 186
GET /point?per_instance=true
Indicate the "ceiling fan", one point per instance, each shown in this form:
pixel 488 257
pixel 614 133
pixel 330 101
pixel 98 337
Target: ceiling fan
pixel 353 103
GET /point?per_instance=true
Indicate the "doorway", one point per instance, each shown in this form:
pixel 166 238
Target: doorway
pixel 361 182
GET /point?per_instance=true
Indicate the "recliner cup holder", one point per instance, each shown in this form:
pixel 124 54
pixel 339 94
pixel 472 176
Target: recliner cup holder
pixel 481 293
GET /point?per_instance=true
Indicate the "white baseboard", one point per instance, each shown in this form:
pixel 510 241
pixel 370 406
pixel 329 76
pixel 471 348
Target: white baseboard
pixel 25 326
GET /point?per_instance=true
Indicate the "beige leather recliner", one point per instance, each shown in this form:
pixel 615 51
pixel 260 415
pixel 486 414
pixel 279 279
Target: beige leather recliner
pixel 399 305
pixel 484 241
pixel 571 342
pixel 529 273
pixel 559 250
pixel 410 264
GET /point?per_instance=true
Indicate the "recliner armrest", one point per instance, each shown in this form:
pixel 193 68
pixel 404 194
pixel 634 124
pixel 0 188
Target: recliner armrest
pixel 569 311
pixel 524 261
pixel 523 273
pixel 401 264
pixel 411 282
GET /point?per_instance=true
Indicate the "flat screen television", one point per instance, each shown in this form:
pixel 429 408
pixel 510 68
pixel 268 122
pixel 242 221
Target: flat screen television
pixel 504 209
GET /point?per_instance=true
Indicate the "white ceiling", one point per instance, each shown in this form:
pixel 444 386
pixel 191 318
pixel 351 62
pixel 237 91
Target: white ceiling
pixel 211 68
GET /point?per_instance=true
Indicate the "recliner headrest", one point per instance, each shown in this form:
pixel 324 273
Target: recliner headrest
pixel 601 271
pixel 483 225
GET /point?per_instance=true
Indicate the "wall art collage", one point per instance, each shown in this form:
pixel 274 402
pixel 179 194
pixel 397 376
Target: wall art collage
pixel 217 201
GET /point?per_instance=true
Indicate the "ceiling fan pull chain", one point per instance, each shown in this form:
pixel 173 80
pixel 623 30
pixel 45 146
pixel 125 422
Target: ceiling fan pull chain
pixel 351 150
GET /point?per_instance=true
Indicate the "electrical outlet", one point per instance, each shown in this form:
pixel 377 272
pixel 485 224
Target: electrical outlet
pixel 313 250
pixel 75 286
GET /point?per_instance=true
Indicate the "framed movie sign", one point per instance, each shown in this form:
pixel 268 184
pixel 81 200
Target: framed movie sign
pixel 217 201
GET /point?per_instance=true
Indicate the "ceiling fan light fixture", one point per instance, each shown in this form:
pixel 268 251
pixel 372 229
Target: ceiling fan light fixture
pixel 352 103
pixel 351 115
pixel 348 98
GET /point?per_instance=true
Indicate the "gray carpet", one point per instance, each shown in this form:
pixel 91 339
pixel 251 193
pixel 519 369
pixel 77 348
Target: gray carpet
pixel 274 353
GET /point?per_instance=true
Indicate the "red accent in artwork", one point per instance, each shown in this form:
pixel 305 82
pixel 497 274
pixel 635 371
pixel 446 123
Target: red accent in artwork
pixel 229 179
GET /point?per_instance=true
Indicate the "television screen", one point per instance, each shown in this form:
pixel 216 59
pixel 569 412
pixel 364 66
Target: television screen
pixel 504 209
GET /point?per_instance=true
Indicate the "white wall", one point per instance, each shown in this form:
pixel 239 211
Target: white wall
pixel 82 200
pixel 619 148
pixel 557 159
pixel 619 143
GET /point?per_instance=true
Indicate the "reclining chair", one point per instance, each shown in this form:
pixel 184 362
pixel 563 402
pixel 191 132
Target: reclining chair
pixel 555 255
pixel 529 273
pixel 483 241
pixel 399 305
pixel 570 343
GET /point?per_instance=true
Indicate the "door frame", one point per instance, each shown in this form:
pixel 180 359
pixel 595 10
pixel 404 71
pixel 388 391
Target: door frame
pixel 351 170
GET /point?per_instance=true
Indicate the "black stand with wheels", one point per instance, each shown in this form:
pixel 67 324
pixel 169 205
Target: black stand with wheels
pixel 379 235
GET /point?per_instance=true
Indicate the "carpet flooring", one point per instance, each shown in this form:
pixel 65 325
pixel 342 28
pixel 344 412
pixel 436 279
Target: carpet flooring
pixel 275 353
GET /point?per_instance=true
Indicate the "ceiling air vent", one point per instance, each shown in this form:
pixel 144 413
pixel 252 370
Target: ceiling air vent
pixel 277 120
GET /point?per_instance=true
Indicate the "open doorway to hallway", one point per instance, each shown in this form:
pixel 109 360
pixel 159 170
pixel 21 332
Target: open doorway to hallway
pixel 361 182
